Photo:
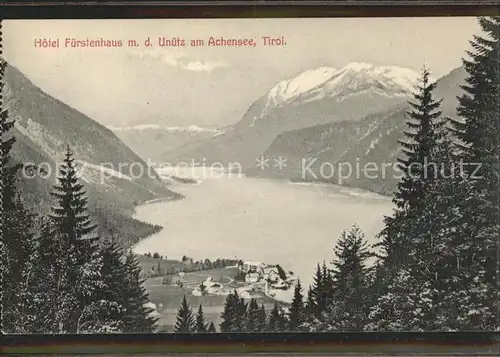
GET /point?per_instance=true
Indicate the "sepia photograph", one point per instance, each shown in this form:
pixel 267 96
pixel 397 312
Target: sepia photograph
pixel 257 175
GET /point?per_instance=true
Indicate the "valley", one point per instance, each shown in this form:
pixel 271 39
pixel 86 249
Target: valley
pixel 44 127
pixel 353 116
pixel 318 179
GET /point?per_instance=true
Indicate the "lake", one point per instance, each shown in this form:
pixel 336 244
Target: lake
pixel 226 215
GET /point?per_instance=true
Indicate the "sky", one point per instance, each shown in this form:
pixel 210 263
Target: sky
pixel 214 86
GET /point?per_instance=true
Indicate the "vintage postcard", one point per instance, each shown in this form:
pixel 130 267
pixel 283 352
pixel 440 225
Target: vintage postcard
pixel 250 175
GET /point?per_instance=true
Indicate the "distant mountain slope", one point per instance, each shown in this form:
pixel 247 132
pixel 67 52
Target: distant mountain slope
pixel 45 126
pixel 370 143
pixel 153 142
pixel 318 96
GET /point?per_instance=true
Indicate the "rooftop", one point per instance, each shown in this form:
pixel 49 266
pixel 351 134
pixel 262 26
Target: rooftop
pixel 251 262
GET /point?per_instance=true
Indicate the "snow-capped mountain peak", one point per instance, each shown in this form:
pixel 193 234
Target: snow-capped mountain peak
pixel 358 66
pixel 170 129
pixel 323 82
pixel 302 83
pixel 403 77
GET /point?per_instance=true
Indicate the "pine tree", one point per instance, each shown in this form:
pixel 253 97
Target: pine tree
pixel 431 265
pixel 241 315
pixel 17 243
pixel 185 319
pixel 276 321
pixel 348 311
pixel 200 324
pixel 310 304
pixel 273 319
pixel 297 310
pixel 97 314
pixel 419 168
pixel 234 314
pixel 327 286
pixel 252 317
pixel 20 265
pixel 55 300
pixel 8 169
pixel 426 129
pixel 228 315
pixel 114 278
pixel 450 279
pixel 77 241
pixel 262 319
pixel 416 239
pixel 70 214
pixel 281 272
pixel 316 299
pixel 396 310
pixel 476 247
pixel 211 328
pixel 138 317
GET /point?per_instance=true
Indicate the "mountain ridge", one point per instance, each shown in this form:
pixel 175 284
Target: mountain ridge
pixel 373 140
pixel 311 80
pixel 350 93
pixel 44 126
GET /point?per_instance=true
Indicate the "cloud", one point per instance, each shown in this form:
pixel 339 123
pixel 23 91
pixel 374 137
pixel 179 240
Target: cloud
pixel 181 60
pixel 198 66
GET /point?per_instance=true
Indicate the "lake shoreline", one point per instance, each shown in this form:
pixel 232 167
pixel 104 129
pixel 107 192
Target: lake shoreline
pixel 176 197
pixel 295 225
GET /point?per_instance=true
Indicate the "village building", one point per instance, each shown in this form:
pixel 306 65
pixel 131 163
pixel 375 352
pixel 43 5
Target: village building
pixel 172 279
pixel 271 274
pixel 280 284
pixel 252 266
pixel 252 277
pixel 210 286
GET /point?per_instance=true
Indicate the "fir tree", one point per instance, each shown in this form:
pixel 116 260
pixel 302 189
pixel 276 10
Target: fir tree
pixel 273 319
pixel 56 299
pixel 137 316
pixel 211 328
pixel 234 314
pixel 70 214
pixel 316 299
pixel 348 311
pixel 19 269
pixel 476 246
pixel 327 286
pixel 252 317
pixel 17 243
pixel 8 169
pixel 397 309
pixel 419 168
pixel 449 280
pixel 114 277
pixel 276 321
pixel 76 240
pixel 281 272
pixel 241 315
pixel 97 314
pixel 262 319
pixel 200 324
pixel 426 128
pixel 416 236
pixel 185 319
pixel 229 314
pixel 311 303
pixel 297 313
